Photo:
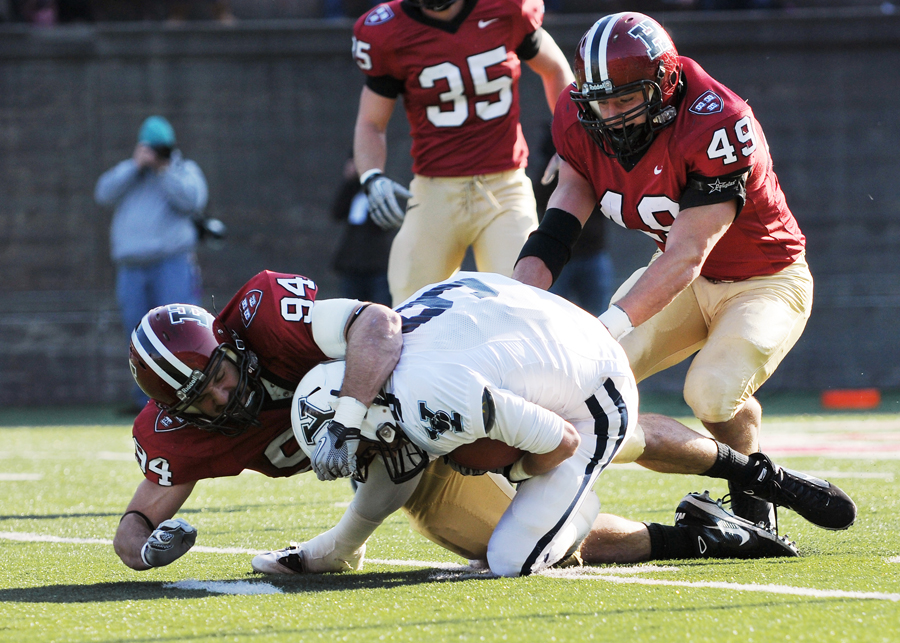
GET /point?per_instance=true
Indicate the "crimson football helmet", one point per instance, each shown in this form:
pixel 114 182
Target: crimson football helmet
pixel 624 53
pixel 177 349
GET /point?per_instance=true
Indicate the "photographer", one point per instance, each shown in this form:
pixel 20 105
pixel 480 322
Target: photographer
pixel 157 195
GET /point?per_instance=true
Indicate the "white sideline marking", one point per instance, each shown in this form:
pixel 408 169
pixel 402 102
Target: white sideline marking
pixel 225 587
pixel 11 477
pixel 587 573
pixel 612 575
pixel 41 538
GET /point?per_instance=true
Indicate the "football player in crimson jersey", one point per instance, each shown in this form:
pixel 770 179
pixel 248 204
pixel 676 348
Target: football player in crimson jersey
pixel 663 148
pixel 457 64
pixel 221 391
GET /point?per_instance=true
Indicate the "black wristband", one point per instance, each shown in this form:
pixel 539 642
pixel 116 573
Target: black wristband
pixel 356 314
pixel 374 175
pixel 138 513
pixel 553 240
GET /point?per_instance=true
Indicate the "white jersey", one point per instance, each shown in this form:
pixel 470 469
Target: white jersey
pixel 480 346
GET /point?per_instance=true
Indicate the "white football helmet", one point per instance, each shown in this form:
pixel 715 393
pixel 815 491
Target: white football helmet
pixel 313 409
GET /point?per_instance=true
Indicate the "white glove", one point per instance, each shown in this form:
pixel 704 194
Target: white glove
pixel 335 454
pixel 382 194
pixel 168 542
pixel 552 170
pixel 617 322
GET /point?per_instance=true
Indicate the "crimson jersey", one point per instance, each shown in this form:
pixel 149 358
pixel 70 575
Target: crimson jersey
pixel 270 314
pixel 459 79
pixel 714 137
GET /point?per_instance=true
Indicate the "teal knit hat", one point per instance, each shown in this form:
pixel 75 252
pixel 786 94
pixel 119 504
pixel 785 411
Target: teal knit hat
pixel 156 131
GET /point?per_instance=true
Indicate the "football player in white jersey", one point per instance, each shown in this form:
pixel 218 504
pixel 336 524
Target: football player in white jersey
pixel 486 356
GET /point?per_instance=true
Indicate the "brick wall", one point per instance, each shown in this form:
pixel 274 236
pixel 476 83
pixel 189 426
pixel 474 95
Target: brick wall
pixel 267 110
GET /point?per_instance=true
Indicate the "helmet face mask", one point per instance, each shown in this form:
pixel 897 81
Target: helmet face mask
pixel 623 54
pixel 176 352
pixel 313 409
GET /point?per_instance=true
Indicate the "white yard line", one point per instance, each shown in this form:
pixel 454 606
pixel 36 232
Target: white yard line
pixel 587 573
pixel 611 575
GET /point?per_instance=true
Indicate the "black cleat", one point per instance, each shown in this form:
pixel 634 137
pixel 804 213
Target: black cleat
pixel 717 533
pixel 817 500
pixel 758 512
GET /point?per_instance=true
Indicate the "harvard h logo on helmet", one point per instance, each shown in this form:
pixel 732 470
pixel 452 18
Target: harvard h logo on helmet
pixel 621 54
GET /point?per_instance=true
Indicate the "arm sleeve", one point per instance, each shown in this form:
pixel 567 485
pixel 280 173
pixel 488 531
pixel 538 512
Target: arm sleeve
pixel 185 186
pixel 525 425
pixel 386 86
pixel 329 319
pixel 530 46
pixel 113 183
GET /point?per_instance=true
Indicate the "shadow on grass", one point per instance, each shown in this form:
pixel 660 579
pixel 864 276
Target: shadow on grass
pixel 153 590
pixel 231 509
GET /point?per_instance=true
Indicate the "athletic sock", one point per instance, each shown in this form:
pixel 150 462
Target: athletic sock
pixel 732 466
pixel 668 542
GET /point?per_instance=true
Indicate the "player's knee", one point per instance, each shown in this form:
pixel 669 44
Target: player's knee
pixel 502 563
pixel 712 396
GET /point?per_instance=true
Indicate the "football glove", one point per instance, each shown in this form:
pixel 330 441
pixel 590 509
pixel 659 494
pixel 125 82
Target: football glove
pixel 168 542
pixel 552 170
pixel 335 454
pixel 382 193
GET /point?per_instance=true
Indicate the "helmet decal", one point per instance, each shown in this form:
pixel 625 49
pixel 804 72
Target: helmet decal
pixel 654 39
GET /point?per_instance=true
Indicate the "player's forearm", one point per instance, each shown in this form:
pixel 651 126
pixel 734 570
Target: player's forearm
pixel 536 464
pixel 374 343
pixel 663 280
pixel 130 537
pixel 369 149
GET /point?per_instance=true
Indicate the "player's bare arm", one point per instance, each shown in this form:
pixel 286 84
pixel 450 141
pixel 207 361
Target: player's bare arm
pixel 374 342
pixel 574 196
pixel 369 137
pixel 693 235
pixel 536 464
pixel 157 504
pixel 551 65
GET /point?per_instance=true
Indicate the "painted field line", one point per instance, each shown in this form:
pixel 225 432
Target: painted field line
pixel 613 575
pixel 586 573
pixel 242 587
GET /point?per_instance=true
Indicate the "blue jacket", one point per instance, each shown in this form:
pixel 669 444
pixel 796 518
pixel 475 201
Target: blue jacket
pixel 154 212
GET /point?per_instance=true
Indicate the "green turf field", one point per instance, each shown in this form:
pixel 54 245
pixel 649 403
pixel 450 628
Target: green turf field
pixel 63 489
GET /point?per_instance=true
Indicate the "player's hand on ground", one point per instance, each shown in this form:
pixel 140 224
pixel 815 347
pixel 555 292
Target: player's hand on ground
pixel 168 542
pixel 384 209
pixel 335 454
